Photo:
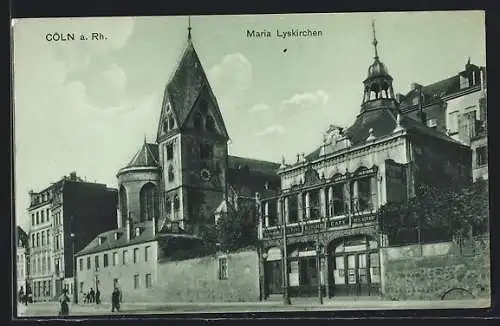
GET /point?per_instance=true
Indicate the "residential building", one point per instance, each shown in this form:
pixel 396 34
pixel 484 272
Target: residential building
pixel 328 202
pixel 64 217
pixel 455 106
pixel 22 256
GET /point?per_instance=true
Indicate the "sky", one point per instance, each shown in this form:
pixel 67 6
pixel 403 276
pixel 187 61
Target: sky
pixel 86 106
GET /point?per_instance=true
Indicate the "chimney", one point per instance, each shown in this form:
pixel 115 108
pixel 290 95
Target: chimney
pixel 127 228
pixel 482 80
pixel 72 176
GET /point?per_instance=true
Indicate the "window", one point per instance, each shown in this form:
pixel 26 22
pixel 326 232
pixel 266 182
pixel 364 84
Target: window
pixel 43 238
pixel 205 151
pixel 48 215
pixel 42 216
pixel 57 242
pixel 481 155
pixel 48 237
pixel 32 219
pixel 32 240
pixel 96 262
pixel 81 287
pixel 137 231
pixel 171 122
pixel 136 254
pixel 176 203
pixel 170 173
pixel 88 262
pixel 37 218
pixel 222 268
pixel 105 260
pixel 453 122
pixel 170 152
pixel 136 281
pixel 414 100
pixel 81 264
pixel 124 257
pixel 38 239
pixel 147 280
pixel 197 122
pixel 432 123
pixel 210 123
pixel 115 258
pixel 146 253
pixel 49 266
pixel 165 126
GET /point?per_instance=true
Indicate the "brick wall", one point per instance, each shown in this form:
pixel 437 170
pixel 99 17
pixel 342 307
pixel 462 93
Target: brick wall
pixel 429 271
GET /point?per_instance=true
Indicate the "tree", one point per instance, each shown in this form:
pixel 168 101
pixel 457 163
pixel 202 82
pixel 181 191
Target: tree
pixel 238 227
pixel 437 213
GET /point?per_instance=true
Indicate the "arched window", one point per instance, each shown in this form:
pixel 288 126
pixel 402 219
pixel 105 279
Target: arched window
pixel 123 204
pixel 176 203
pixel 149 202
pixel 197 121
pixel 168 206
pixel 165 126
pixel 170 173
pixel 171 122
pixel 210 123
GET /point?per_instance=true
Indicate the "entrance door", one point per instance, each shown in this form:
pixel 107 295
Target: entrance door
pixel 356 274
pixel 274 277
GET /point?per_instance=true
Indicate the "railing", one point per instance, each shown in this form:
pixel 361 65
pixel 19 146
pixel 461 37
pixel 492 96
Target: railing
pixel 313 226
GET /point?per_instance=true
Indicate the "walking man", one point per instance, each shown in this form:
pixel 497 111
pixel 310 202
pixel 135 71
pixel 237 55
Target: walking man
pixel 115 299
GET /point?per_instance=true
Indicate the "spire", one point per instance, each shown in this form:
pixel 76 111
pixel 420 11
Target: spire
pixel 145 140
pixel 375 42
pixel 189 28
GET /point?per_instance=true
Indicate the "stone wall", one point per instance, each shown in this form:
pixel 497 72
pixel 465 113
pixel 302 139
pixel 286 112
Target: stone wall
pixel 435 271
pixel 197 280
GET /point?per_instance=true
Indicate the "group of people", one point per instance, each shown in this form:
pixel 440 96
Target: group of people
pixel 91 296
pixel 24 297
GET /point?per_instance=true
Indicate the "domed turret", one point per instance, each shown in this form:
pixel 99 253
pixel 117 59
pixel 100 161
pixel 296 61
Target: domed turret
pixel 378 91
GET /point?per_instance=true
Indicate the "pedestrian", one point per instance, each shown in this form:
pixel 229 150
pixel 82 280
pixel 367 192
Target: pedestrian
pixel 21 295
pixel 64 301
pixel 115 299
pixel 98 297
pixel 92 295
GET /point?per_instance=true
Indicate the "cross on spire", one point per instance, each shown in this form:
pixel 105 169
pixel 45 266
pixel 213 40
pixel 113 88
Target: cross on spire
pixel 375 42
pixel 189 27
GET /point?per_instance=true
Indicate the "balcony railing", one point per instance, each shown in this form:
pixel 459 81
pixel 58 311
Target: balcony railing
pixel 317 225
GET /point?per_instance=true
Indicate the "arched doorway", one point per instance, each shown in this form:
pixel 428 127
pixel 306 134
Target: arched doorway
pixel 355 266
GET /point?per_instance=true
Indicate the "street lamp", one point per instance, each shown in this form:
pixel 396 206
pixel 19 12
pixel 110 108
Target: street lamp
pixel 75 292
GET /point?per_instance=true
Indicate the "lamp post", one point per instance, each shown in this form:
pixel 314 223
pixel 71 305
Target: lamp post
pixel 75 292
pixel 286 295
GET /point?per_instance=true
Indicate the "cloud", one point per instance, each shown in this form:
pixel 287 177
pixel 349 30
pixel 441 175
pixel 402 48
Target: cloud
pixel 305 101
pixel 231 78
pixel 108 87
pixel 259 108
pixel 275 129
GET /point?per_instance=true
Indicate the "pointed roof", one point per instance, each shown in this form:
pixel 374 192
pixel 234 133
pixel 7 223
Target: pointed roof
pixel 186 84
pixel 147 156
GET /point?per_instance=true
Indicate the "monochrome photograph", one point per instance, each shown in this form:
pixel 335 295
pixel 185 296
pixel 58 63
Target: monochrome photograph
pixel 250 164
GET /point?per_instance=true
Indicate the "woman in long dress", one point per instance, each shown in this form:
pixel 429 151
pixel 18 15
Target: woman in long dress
pixel 64 301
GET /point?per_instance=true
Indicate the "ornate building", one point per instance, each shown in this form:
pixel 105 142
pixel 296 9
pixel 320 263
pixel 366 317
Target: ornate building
pixel 326 209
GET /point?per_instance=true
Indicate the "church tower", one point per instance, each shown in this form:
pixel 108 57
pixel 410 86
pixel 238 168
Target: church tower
pixel 378 91
pixel 192 142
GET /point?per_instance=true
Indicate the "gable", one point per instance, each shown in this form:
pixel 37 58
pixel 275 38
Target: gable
pixel 205 116
pixel 168 122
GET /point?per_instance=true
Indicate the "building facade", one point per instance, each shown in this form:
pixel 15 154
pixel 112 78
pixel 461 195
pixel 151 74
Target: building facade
pixel 455 106
pixel 64 217
pixel 123 257
pixel 22 258
pixel 322 226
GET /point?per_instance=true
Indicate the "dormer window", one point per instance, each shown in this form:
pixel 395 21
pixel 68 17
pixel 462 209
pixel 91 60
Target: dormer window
pixel 137 231
pixel 464 82
pixel 117 235
pixel 102 240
